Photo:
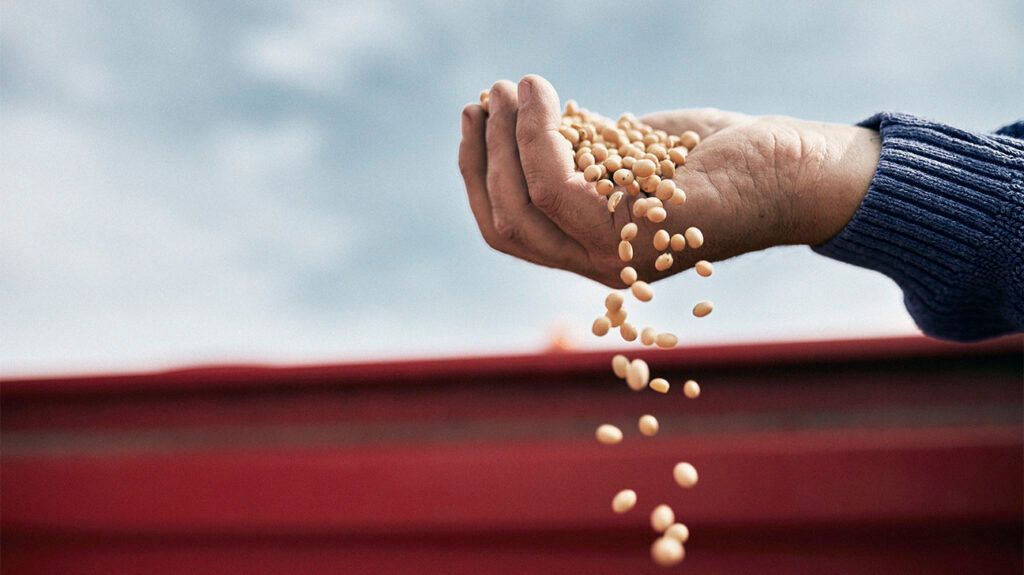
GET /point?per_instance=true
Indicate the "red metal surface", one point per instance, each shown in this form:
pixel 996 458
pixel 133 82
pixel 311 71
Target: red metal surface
pixel 829 457
pixel 417 372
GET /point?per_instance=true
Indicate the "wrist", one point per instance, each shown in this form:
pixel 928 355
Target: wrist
pixel 839 171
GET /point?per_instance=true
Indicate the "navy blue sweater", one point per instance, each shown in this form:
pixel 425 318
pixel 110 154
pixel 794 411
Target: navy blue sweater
pixel 944 218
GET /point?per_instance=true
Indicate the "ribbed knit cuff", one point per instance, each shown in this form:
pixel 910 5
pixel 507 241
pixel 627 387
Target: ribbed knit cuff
pixel 944 218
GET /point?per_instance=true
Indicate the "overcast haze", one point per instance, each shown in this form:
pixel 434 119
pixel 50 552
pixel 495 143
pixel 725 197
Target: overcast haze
pixel 276 182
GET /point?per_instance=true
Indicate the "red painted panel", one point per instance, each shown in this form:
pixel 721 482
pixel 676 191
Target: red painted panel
pixel 903 455
pixel 783 478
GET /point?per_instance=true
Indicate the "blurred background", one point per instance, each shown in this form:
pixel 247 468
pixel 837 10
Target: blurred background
pixel 276 181
pixel 238 182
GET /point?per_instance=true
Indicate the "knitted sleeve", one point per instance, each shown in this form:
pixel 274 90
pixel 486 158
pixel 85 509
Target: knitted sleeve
pixel 944 218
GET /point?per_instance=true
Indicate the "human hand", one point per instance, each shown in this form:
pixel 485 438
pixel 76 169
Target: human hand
pixel 752 183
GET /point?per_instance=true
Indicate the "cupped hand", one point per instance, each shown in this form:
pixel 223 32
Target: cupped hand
pixel 752 183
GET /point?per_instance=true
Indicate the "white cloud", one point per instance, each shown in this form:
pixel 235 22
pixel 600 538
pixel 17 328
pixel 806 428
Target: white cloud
pixel 131 251
pixel 254 152
pixel 319 45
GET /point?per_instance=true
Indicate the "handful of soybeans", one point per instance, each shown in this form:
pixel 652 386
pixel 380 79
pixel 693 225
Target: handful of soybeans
pixel 634 166
pixel 630 159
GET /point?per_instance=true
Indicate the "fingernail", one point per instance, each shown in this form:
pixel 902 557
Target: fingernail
pixel 525 91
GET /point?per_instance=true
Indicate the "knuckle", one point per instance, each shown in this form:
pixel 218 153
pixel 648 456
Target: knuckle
pixel 528 131
pixel 545 198
pixel 505 229
pixel 492 240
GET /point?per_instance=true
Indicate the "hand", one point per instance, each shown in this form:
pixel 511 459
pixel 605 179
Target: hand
pixel 752 183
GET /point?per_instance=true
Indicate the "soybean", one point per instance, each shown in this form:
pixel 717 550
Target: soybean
pixel 662 518
pixel 622 176
pixel 657 215
pixel 666 189
pixel 679 532
pixel 648 424
pixel 616 317
pixel 668 170
pixel 638 374
pixel 570 134
pixel 667 551
pixel 691 389
pixel 694 237
pixel 650 184
pixel 625 251
pixel 663 262
pixel 678 155
pixel 613 201
pixel 666 340
pixel 619 366
pixel 628 231
pixel 614 301
pixel 660 385
pixel 605 187
pixel 624 501
pixel 640 207
pixel 685 475
pixel 608 434
pixel 592 173
pixel 642 290
pixel 690 139
pixel 601 326
pixel 678 242
pixel 627 331
pixel 704 268
pixel 628 275
pixel 648 335
pixel 703 308
pixel 661 240
pixel 643 168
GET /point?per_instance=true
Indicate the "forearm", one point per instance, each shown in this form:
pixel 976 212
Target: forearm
pixel 943 217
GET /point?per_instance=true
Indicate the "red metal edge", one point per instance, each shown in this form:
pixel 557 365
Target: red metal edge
pixel 414 371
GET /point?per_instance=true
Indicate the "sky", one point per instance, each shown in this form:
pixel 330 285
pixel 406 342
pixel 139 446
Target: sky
pixel 275 182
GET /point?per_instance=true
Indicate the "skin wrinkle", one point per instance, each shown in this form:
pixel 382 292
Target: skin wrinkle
pixel 762 152
pixel 809 154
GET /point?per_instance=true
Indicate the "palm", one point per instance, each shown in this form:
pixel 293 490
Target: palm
pixel 730 180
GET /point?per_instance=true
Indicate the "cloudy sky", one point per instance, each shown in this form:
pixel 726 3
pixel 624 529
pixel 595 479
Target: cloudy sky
pixel 197 182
